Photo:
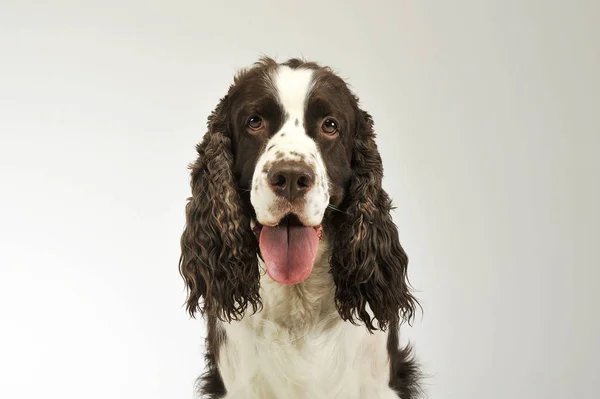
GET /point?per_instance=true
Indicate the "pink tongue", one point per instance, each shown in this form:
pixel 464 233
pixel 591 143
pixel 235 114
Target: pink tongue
pixel 289 252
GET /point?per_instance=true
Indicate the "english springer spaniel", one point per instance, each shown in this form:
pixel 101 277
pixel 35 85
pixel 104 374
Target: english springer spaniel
pixel 289 249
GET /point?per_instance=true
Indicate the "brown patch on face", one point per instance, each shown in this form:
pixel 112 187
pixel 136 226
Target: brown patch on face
pixel 252 94
pixel 330 97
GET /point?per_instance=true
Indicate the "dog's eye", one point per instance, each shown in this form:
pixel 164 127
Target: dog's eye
pixel 255 122
pixel 329 126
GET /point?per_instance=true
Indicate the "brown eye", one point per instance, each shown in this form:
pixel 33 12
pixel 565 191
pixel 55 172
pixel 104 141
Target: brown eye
pixel 255 122
pixel 329 126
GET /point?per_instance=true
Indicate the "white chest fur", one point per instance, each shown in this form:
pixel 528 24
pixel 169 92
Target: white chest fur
pixel 297 347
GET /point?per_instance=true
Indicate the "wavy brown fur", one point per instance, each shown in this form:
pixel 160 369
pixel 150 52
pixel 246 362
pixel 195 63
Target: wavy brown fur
pixel 218 260
pixel 368 263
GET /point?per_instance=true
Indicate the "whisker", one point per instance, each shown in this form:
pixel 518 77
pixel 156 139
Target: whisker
pixel 336 209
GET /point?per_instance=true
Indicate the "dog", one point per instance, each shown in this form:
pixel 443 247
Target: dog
pixel 289 250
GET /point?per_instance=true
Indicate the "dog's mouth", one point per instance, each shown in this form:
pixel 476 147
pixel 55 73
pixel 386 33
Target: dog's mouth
pixel 289 249
pixel 290 220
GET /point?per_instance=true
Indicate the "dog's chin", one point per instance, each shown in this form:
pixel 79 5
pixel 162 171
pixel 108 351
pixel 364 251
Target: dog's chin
pixel 289 248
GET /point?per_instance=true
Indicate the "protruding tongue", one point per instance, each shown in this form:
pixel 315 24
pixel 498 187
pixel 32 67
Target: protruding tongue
pixel 289 251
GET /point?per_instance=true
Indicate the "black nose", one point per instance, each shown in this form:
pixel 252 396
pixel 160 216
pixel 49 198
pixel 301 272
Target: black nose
pixel 291 179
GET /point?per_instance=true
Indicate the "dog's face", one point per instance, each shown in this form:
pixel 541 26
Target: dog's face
pixel 290 156
pixel 293 142
pixel 291 131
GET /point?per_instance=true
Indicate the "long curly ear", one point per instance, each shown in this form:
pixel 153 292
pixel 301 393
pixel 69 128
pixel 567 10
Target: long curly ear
pixel 369 265
pixel 218 249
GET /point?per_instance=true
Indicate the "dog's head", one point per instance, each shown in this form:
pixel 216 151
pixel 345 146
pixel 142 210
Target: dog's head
pixel 290 156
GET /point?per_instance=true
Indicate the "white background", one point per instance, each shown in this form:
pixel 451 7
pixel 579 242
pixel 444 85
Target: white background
pixel 488 115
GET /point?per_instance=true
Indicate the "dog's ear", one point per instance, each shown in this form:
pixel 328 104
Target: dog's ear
pixel 218 249
pixel 368 264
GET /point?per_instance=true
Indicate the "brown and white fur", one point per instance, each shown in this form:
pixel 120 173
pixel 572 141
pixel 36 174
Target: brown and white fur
pixel 335 334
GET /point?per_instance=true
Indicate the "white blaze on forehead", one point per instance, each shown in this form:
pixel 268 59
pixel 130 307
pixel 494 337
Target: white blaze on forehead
pixel 293 87
pixel 291 143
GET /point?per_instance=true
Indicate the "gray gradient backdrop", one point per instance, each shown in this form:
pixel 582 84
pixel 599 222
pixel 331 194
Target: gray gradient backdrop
pixel 488 122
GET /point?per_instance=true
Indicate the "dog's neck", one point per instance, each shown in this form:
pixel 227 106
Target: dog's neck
pixel 305 305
